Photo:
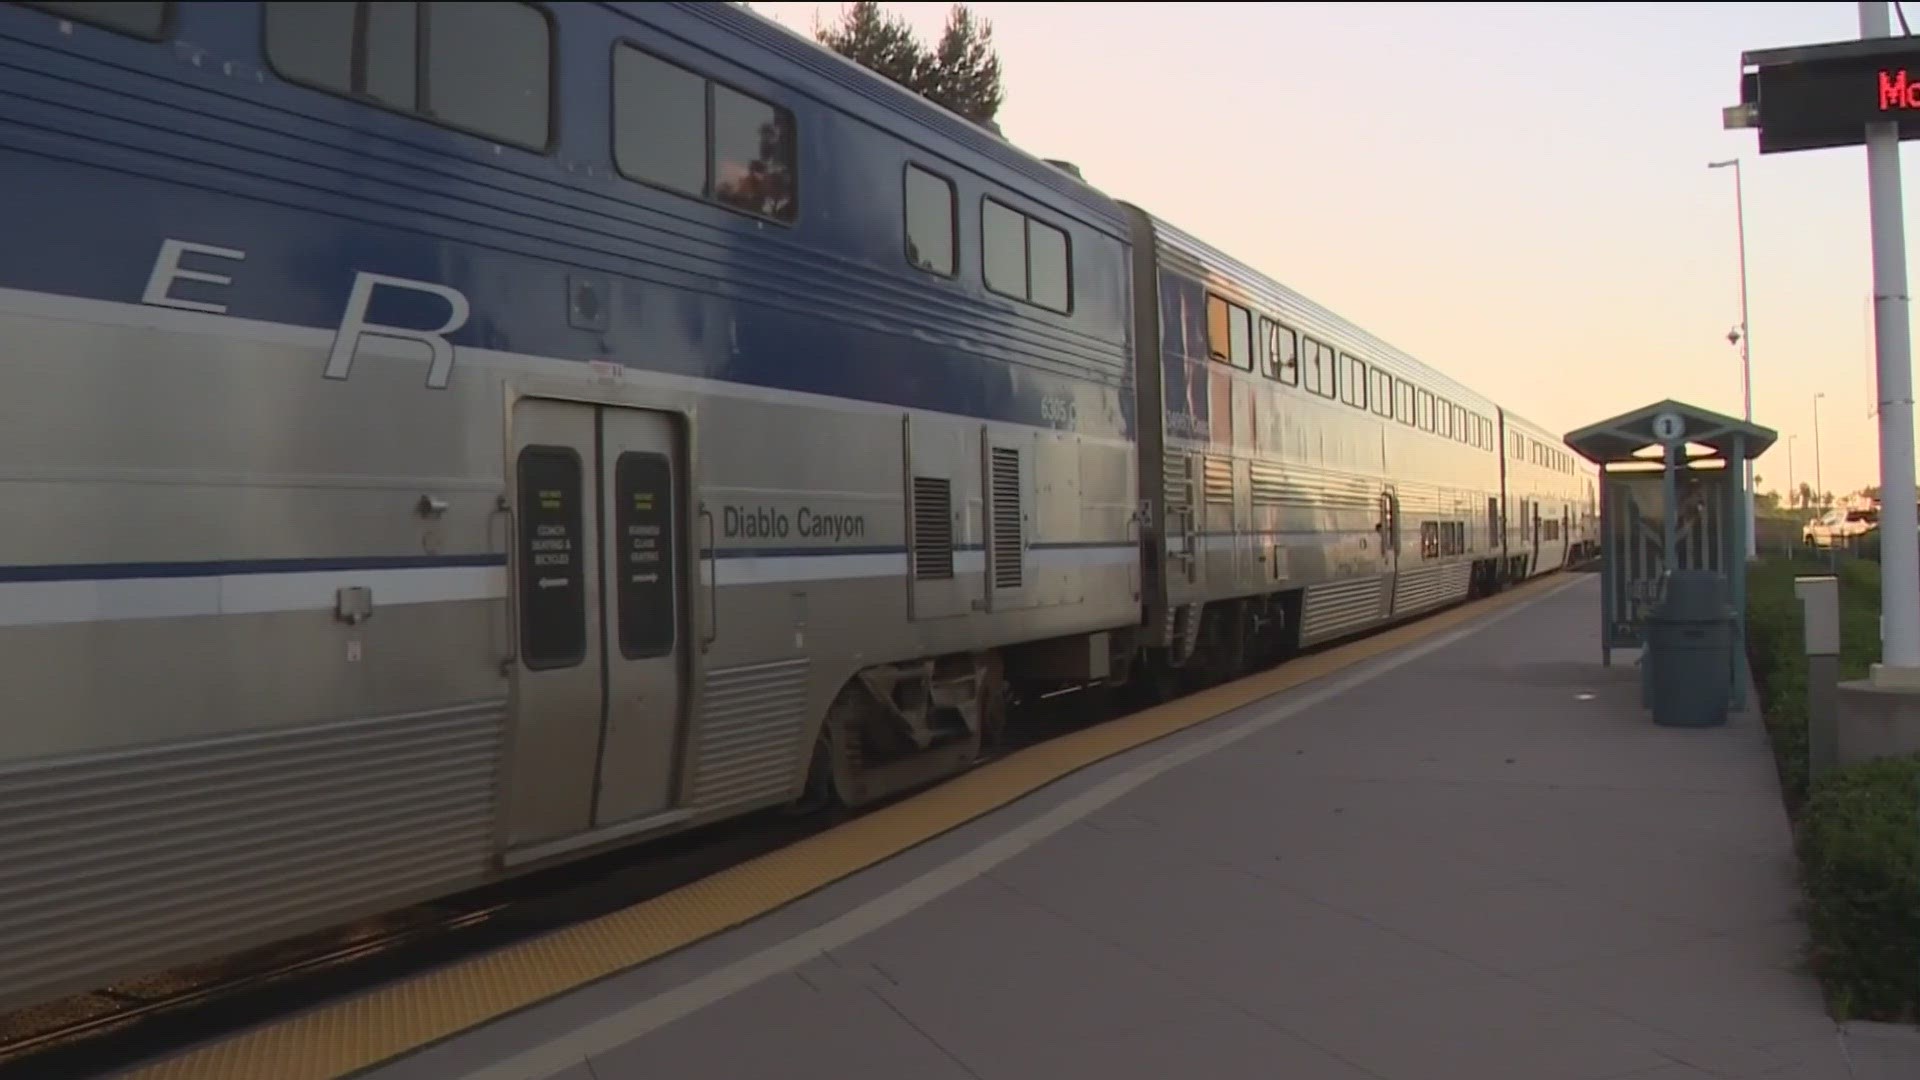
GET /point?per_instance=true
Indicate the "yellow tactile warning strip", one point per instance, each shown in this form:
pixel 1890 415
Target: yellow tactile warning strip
pixel 352 1035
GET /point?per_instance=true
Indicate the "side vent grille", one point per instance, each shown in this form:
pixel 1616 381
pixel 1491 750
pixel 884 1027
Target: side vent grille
pixel 1005 482
pixel 1177 478
pixel 932 529
pixel 1269 484
pixel 1218 480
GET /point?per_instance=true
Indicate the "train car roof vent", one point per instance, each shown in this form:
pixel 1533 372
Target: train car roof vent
pixel 1067 167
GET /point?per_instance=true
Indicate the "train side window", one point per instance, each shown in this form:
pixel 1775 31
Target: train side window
pixel 1050 270
pixel 1381 395
pixel 754 155
pixel 659 122
pixel 678 130
pixel 1283 352
pixel 1353 386
pixel 487 70
pixel 1003 249
pixel 1426 410
pixel 1229 333
pixel 1403 402
pixel 484 68
pixel 148 21
pixel 1024 258
pixel 1320 372
pixel 1443 418
pixel 1460 422
pixel 931 222
pixel 314 43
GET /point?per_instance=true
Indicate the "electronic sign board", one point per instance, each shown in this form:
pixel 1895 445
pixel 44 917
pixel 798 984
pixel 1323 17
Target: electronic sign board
pixel 1816 96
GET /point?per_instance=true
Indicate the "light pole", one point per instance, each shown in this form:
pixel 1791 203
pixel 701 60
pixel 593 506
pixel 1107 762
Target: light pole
pixel 1899 664
pixel 1819 486
pixel 1741 335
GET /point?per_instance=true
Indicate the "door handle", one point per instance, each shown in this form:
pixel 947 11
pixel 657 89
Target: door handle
pixel 713 584
pixel 504 506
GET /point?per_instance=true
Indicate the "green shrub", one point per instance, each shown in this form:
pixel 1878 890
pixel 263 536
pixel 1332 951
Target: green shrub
pixel 1860 856
pixel 1777 657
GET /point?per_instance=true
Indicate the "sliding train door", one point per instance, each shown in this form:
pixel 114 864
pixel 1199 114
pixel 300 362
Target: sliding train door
pixel 600 609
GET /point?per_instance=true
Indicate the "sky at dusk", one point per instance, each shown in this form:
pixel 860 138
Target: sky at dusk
pixel 1517 194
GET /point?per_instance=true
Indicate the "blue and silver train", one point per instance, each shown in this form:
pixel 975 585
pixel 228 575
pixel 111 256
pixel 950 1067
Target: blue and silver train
pixel 445 439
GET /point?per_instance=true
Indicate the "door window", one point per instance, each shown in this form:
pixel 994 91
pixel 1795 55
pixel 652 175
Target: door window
pixel 553 591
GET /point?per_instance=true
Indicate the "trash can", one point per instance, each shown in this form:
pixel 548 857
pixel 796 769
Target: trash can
pixel 1690 638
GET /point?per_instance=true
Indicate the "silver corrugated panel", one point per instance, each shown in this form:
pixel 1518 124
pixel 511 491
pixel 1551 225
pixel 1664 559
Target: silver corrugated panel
pixel 752 721
pixel 111 862
pixel 1218 480
pixel 1177 478
pixel 1340 607
pixel 1428 586
pixel 1269 484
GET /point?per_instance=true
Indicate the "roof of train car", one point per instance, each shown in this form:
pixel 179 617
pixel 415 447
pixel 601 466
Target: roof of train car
pixel 1521 423
pixel 1309 316
pixel 878 90
pixel 1280 300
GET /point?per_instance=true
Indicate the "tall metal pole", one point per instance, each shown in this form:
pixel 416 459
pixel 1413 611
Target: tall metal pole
pixel 1899 518
pixel 1819 485
pixel 1746 336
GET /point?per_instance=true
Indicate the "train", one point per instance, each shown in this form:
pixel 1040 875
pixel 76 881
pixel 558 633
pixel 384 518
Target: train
pixel 446 440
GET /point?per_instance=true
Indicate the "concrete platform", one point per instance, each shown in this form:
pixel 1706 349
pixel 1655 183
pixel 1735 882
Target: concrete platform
pixel 1474 858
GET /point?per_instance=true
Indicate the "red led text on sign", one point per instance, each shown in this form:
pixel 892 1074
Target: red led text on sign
pixel 1898 91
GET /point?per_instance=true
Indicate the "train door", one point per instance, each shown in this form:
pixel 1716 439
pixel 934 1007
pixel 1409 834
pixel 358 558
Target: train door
pixel 600 612
pixel 1389 529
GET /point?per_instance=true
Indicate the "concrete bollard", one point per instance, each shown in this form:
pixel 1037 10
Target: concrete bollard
pixel 1820 611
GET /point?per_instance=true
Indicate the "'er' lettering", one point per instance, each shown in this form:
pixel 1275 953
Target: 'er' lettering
pixel 1898 91
pixel 354 325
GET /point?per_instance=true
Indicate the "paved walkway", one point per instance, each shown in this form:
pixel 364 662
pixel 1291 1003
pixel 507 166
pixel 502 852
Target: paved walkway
pixel 1473 860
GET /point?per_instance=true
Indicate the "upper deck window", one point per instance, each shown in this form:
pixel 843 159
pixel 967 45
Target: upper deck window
pixel 481 67
pixel 931 213
pixel 1353 388
pixel 682 131
pixel 1317 359
pixel 1381 396
pixel 1283 356
pixel 1229 333
pixel 754 153
pixel 1025 258
pixel 139 20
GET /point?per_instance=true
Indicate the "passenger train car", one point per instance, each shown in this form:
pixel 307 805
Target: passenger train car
pixel 446 439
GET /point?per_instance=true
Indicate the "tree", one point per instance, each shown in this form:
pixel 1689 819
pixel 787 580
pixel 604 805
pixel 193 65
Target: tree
pixel 966 70
pixel 962 73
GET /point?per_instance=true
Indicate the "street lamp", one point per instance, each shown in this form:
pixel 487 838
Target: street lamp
pixel 1819 486
pixel 1741 335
